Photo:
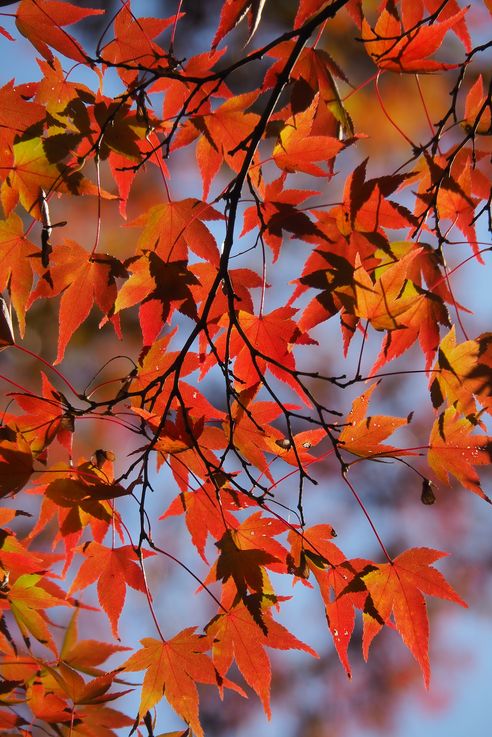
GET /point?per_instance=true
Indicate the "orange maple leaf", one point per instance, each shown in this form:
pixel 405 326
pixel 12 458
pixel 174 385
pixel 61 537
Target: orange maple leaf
pixel 223 134
pixel 397 588
pixel 393 48
pixel 362 435
pixel 174 227
pixel 175 667
pixel 383 301
pixel 33 172
pixel 46 417
pixel 454 450
pixel 462 372
pixel 297 149
pixel 16 466
pixel 29 596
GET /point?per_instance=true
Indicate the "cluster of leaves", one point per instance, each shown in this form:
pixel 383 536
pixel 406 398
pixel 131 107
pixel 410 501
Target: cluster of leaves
pixel 201 316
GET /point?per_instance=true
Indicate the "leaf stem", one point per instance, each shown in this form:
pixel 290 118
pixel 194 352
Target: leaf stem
pixel 367 515
pixel 48 365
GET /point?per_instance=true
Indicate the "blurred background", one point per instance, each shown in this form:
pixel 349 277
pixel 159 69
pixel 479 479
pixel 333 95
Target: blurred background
pixel 311 698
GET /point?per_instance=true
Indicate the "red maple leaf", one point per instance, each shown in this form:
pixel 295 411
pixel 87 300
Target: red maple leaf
pixel 42 23
pixel 232 13
pixel 237 637
pixel 133 46
pixel 46 417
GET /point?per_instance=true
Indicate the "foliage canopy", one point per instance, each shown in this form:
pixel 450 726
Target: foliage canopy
pixel 222 408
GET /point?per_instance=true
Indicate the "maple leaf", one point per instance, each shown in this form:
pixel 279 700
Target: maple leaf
pixel 232 13
pixel 61 96
pixel 478 114
pixel 34 170
pixel 47 417
pixel 80 497
pixel 114 569
pixel 454 450
pixel 242 281
pixel 237 636
pixel 257 532
pixel 157 361
pixel 16 113
pixel 159 287
pixel 186 443
pixel 312 551
pixel 83 278
pixel 455 202
pixel 260 342
pixel 366 207
pixel 28 600
pixel 132 45
pixel 426 308
pixel 383 301
pixel 306 9
pixel 420 321
pixel 207 512
pixel 313 545
pixel 173 228
pixel 412 12
pixel 331 273
pixel 16 264
pixel 314 74
pixel 391 48
pixel 277 213
pixel 81 692
pixel 45 704
pixel 41 23
pixel 296 451
pixel 98 721
pixel 243 566
pixel 452 192
pixel 253 435
pixel 222 134
pixel 462 372
pixel 397 588
pixel 85 655
pixel 176 91
pixel 16 466
pixel 17 559
pixel 362 435
pixel 297 150
pixel 116 128
pixel 175 667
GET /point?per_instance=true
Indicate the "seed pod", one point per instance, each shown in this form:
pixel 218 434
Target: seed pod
pixel 427 496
